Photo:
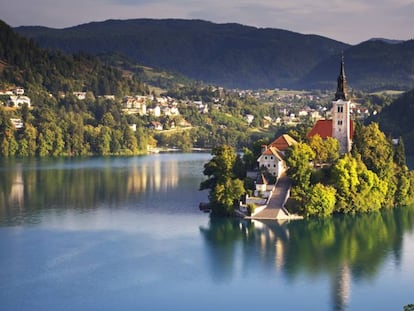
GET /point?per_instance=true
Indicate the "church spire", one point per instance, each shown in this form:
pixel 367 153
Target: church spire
pixel 341 88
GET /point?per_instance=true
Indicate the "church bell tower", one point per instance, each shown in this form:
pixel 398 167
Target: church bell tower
pixel 341 120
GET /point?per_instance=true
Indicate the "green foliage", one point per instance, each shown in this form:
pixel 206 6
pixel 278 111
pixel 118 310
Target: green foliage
pixel 396 119
pixel 215 56
pixel 320 201
pixel 409 307
pixel 225 195
pixel 36 68
pixel 298 160
pixel 250 208
pixel 225 187
pixel 220 167
pixel 249 159
pixel 377 153
pixel 326 150
pixel 399 153
pixel 375 65
pixel 345 180
pixel 375 149
pixel 358 189
pixel 372 177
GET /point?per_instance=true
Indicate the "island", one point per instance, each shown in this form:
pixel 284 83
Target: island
pixel 341 167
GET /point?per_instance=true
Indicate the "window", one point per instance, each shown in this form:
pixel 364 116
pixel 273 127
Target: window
pixel 340 109
pixel 265 158
pixel 339 122
pixel 268 165
pixel 274 165
pixel 271 158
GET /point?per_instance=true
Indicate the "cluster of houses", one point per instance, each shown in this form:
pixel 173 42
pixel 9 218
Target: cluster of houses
pixel 150 105
pixel 16 98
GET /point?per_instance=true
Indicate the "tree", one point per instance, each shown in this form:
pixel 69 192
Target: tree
pixel 220 167
pixel 320 201
pixel 345 181
pixel 224 195
pixel 317 145
pixel 298 160
pixel 249 159
pixel 377 154
pixel 225 187
pixel 103 141
pixel 358 188
pixel 375 149
pixel 27 144
pixel 326 151
pixel 332 149
pixel 399 154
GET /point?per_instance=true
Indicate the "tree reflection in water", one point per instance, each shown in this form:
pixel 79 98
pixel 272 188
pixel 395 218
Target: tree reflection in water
pixel 345 248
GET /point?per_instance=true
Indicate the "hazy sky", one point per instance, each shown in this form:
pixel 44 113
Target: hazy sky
pixel 350 21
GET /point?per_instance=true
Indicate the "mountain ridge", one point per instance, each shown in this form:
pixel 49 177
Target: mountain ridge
pixel 229 54
pixel 238 56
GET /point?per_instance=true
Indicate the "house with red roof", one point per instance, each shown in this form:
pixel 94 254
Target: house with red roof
pixel 272 159
pixel 283 142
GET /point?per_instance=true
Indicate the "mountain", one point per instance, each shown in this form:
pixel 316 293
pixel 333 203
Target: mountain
pixel 397 119
pixel 370 66
pixel 24 63
pixel 230 55
pixel 234 55
pixel 389 41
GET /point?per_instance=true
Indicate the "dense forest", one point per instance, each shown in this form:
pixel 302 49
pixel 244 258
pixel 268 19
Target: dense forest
pixel 397 118
pixel 60 124
pixel 371 66
pixel 233 55
pixel 27 65
pixel 373 176
pixel 230 55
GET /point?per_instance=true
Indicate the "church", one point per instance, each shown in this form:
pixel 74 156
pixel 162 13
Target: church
pixel 341 125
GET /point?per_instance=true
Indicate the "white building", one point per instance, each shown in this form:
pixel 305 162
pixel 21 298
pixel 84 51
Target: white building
pixel 80 95
pixel 18 101
pixel 271 159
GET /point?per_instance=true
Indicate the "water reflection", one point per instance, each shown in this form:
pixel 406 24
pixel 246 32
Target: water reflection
pixel 30 185
pixel 347 250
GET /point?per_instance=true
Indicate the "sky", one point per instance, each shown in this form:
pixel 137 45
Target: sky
pixel 349 21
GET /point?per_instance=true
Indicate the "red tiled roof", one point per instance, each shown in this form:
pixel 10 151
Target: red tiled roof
pixel 273 151
pixel 283 142
pixel 324 129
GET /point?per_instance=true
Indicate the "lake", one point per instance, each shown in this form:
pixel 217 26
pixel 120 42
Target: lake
pixel 125 233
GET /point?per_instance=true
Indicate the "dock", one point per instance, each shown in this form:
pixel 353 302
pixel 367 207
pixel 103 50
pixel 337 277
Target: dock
pixel 275 208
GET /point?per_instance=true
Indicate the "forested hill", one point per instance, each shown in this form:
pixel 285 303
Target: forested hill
pixel 371 65
pixel 397 119
pixel 27 65
pixel 230 55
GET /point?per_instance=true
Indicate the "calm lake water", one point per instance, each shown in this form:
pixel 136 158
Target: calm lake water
pixel 126 234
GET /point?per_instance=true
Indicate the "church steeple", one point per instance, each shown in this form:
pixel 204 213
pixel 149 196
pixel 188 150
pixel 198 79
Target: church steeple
pixel 341 88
